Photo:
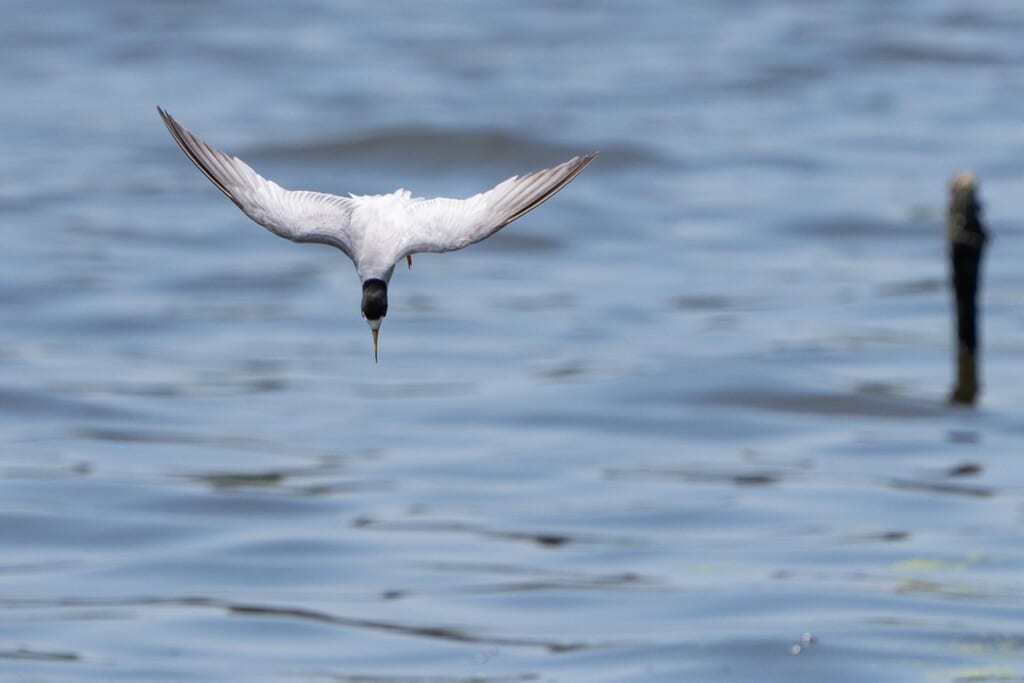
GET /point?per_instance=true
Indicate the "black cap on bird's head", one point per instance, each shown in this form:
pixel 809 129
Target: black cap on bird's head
pixel 375 306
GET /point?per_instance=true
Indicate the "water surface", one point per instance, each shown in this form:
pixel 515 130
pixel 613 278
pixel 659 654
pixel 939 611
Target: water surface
pixel 685 422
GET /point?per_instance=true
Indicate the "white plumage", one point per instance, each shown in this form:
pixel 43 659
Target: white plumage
pixel 375 231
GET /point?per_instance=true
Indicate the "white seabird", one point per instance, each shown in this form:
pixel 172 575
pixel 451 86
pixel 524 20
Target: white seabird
pixel 374 231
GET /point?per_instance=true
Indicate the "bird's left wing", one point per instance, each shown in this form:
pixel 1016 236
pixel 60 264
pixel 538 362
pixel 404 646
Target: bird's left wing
pixel 300 216
pixel 442 224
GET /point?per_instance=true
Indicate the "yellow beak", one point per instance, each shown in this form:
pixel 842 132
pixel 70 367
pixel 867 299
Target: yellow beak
pixel 374 333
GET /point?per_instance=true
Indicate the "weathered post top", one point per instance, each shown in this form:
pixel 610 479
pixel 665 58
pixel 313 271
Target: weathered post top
pixel 964 221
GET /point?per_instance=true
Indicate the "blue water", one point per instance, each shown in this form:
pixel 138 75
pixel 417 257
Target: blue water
pixel 686 421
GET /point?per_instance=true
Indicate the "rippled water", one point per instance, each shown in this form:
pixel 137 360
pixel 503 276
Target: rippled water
pixel 685 422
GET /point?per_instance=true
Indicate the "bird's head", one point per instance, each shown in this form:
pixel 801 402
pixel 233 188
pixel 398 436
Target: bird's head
pixel 375 306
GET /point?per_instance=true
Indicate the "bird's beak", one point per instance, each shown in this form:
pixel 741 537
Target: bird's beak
pixel 374 330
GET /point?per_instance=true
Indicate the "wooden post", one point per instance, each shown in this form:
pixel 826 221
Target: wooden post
pixel 966 236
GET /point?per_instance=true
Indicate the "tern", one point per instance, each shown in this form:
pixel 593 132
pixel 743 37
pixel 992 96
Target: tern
pixel 375 231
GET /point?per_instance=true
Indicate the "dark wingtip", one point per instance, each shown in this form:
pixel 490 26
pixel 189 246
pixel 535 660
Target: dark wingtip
pixel 178 132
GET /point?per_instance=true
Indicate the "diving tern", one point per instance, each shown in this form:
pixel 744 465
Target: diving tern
pixel 374 231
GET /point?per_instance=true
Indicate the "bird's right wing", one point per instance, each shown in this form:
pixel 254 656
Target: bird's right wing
pixel 299 216
pixel 442 224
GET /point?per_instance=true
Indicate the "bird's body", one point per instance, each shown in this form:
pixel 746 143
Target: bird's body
pixel 374 231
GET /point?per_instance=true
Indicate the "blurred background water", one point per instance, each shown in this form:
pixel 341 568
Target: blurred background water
pixel 689 411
